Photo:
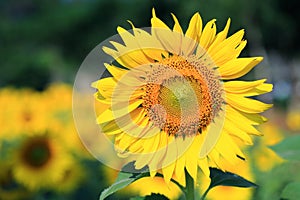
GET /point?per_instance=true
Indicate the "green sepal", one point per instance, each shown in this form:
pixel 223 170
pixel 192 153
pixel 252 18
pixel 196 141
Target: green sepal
pixel 218 177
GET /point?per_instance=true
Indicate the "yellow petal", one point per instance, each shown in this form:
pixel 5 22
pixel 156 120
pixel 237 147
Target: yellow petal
pixel 177 26
pixel 231 43
pixel 148 44
pixel 156 22
pixel 153 172
pixel 168 172
pixel 191 162
pixel 118 110
pixel 182 145
pixel 228 149
pixel 192 35
pixel 104 101
pixel 133 124
pixel 124 59
pixel 220 37
pixel 238 67
pixel 156 162
pixel 248 88
pixel 203 164
pixel 179 169
pixel 150 146
pixel 214 131
pixel 104 84
pixel 132 54
pixel 195 28
pixel 226 50
pixel 121 108
pixel 208 36
pixel 248 118
pixel 214 157
pixel 125 141
pixel 232 129
pixel 245 104
pixel 167 38
pixel 242 122
pixel 133 46
pixel 111 128
pixel 116 72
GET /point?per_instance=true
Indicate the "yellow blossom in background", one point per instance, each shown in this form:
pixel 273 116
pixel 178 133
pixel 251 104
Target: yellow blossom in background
pixel 58 99
pixel 21 111
pixel 265 158
pixel 8 191
pixel 40 161
pixel 293 120
pixel 174 104
pixel 72 177
pixel 40 139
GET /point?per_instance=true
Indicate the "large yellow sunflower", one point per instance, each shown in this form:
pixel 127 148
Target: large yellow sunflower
pixel 170 103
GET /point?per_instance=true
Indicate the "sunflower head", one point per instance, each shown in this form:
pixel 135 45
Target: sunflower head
pixel 171 103
pixel 40 161
pixel 36 153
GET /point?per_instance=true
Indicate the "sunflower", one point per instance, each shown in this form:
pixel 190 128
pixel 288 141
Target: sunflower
pixel 40 162
pixel 171 103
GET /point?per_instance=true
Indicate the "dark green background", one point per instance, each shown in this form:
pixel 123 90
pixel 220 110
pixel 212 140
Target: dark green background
pixel 44 41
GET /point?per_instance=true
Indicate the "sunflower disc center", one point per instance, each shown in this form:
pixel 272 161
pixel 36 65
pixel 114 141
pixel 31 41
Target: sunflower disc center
pixel 36 153
pixel 179 96
pixel 184 97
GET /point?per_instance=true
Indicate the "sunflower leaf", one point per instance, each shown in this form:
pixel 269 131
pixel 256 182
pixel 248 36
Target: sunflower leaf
pixel 291 191
pixel 288 148
pixel 126 176
pixel 218 177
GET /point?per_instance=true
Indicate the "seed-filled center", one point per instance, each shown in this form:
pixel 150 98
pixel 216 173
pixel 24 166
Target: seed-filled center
pixel 180 97
pixel 36 153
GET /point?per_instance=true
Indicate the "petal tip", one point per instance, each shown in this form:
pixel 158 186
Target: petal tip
pixel 153 12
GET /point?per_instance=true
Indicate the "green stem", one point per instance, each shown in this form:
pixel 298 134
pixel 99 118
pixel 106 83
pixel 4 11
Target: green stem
pixel 190 187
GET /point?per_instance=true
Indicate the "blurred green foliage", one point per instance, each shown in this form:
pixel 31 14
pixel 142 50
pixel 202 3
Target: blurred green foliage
pixel 44 41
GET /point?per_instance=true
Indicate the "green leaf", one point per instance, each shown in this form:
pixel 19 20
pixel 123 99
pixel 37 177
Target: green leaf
pixel 288 148
pixel 218 177
pixel 291 191
pixel 126 176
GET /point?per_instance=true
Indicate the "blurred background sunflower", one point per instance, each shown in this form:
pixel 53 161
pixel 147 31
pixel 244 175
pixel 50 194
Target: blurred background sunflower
pixel 42 46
